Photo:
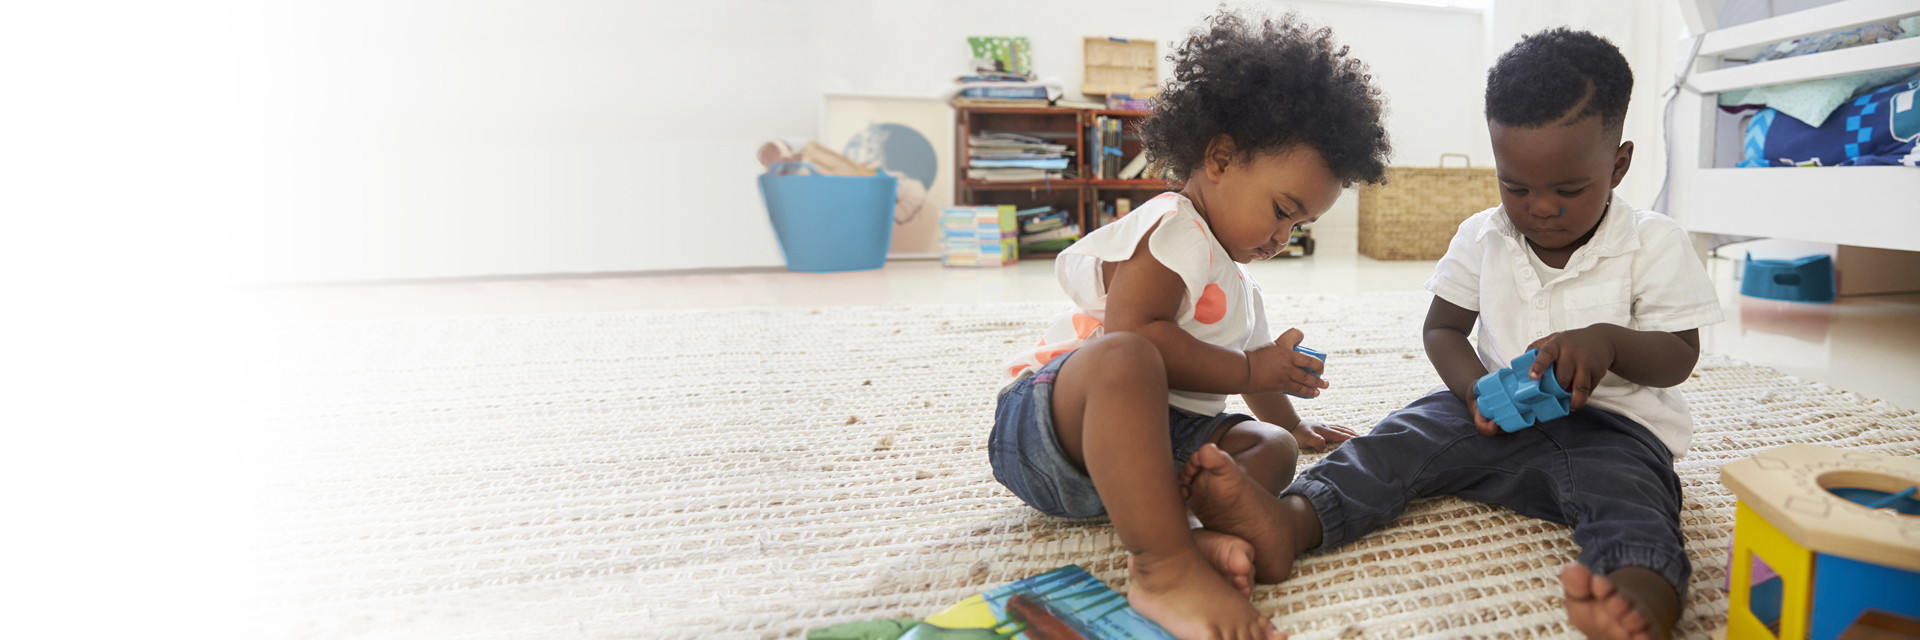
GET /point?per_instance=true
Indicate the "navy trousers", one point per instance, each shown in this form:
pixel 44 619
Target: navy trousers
pixel 1601 473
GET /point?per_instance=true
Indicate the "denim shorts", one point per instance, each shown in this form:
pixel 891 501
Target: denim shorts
pixel 1027 457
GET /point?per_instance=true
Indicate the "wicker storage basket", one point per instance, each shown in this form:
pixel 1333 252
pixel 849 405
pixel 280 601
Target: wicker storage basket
pixel 1414 215
pixel 1121 65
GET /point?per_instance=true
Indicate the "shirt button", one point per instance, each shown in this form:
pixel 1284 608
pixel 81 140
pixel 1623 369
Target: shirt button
pixel 1539 303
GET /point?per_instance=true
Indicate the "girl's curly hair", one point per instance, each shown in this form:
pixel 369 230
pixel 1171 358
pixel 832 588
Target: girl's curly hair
pixel 1268 85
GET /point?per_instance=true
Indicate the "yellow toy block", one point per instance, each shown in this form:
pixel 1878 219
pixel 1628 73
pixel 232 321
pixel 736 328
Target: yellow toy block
pixel 1844 563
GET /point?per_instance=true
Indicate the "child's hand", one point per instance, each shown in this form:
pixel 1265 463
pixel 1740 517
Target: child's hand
pixel 1320 437
pixel 1481 424
pixel 1277 367
pixel 1584 356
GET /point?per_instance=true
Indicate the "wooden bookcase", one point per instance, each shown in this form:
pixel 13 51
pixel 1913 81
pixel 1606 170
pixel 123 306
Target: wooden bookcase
pixel 1079 194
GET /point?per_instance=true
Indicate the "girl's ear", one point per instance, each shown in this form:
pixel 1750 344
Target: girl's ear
pixel 1219 156
pixel 1622 161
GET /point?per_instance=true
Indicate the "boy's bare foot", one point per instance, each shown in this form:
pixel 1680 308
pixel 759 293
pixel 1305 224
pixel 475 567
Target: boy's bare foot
pixel 1226 500
pixel 1630 602
pixel 1184 594
pixel 1230 556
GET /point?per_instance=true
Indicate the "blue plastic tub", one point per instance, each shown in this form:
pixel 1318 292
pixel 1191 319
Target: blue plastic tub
pixel 1808 279
pixel 828 224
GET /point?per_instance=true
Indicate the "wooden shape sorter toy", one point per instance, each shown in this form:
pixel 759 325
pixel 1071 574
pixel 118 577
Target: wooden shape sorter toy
pixel 1841 531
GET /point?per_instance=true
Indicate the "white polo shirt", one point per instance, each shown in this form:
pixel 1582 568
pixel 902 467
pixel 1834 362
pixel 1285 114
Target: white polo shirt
pixel 1638 271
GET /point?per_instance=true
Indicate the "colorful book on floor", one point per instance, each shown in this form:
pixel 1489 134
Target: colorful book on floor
pixel 1063 603
pixel 984 236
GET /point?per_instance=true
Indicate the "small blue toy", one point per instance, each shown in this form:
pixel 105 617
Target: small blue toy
pixel 1316 354
pixel 1808 279
pixel 1509 398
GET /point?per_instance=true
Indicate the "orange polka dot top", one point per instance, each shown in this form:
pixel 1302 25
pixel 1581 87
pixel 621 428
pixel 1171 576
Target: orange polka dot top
pixel 1222 304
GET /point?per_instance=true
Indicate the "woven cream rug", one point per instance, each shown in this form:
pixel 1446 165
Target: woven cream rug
pixel 756 473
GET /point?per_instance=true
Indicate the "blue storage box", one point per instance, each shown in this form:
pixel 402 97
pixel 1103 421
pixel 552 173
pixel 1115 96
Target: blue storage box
pixel 1808 279
pixel 828 224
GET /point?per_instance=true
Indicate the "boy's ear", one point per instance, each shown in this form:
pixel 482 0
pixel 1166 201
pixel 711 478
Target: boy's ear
pixel 1622 160
pixel 1219 155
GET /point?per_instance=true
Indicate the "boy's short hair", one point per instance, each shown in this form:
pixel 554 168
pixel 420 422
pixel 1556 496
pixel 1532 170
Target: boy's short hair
pixel 1268 85
pixel 1560 76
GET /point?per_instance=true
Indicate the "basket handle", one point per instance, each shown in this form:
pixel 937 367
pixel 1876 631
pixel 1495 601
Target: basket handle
pixel 1462 156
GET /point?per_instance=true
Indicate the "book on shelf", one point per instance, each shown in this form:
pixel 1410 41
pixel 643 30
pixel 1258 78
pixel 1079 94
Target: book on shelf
pixel 1006 137
pixel 1011 174
pixel 1105 213
pixel 1002 156
pixel 999 102
pixel 1110 158
pixel 982 75
pixel 1067 232
pixel 1010 92
pixel 1103 142
pixel 1023 155
pixel 1038 224
pixel 1033 163
pixel 1134 167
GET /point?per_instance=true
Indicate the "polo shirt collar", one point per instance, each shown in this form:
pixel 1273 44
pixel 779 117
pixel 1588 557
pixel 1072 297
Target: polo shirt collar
pixel 1615 237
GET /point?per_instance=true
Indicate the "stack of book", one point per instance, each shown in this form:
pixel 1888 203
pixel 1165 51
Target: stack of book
pixel 1003 76
pixel 1046 229
pixel 990 89
pixel 979 236
pixel 1012 157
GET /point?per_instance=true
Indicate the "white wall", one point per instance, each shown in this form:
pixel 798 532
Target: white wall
pixel 442 138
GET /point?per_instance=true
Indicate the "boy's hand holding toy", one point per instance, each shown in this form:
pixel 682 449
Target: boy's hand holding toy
pixel 1511 401
pixel 1533 391
pixel 1584 356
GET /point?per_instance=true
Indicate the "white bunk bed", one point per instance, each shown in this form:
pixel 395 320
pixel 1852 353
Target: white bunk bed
pixel 1872 206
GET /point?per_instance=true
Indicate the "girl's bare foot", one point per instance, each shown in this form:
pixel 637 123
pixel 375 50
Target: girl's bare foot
pixel 1226 500
pixel 1184 594
pixel 1230 556
pixel 1630 602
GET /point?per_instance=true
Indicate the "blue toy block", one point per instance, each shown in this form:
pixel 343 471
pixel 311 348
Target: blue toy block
pixel 1844 588
pixel 1808 279
pixel 1508 397
pixel 1316 354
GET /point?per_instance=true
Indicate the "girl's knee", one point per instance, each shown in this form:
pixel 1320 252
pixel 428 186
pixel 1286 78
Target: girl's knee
pixel 1120 353
pixel 1262 449
pixel 1122 345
